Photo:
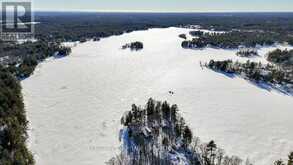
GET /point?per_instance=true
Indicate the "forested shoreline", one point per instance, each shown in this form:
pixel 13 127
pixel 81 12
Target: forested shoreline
pixel 13 122
pixel 20 64
pixel 236 39
pixel 278 74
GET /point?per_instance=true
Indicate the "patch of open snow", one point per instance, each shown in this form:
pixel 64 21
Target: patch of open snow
pixel 74 104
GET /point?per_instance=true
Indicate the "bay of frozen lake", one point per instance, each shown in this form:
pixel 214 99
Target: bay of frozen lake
pixel 74 104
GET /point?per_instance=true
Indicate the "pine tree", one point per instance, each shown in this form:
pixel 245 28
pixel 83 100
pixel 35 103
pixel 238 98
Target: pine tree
pixel 187 136
pixel 211 148
pixel 290 159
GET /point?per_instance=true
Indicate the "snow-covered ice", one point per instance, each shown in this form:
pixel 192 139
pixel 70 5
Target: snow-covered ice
pixel 74 104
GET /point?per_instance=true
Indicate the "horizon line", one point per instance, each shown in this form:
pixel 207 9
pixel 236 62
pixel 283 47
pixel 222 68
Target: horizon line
pixel 148 11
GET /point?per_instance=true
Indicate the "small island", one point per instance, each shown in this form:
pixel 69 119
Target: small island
pixel 247 52
pixel 183 36
pixel 194 43
pixel 196 33
pixel 133 46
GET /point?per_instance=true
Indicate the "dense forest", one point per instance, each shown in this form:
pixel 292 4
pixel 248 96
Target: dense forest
pixel 13 123
pixel 69 26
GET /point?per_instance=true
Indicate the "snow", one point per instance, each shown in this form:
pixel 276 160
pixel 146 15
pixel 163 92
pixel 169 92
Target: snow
pixel 74 104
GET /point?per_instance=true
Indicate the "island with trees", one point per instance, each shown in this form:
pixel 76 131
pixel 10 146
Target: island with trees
pixel 183 36
pixel 157 134
pixel 135 46
pixel 247 52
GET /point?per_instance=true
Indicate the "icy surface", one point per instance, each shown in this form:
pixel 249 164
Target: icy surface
pixel 74 104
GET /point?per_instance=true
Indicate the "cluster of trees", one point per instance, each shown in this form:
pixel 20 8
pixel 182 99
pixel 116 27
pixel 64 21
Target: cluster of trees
pixel 210 154
pixel 154 135
pixel 255 71
pixel 13 123
pixel 282 58
pixel 133 46
pixel 196 33
pixel 157 134
pixel 247 52
pixel 194 43
pixel 183 36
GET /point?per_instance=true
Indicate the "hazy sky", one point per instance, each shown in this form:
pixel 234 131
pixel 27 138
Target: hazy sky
pixel 164 5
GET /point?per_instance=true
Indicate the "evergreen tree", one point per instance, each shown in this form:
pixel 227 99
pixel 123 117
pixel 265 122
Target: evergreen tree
pixel 290 159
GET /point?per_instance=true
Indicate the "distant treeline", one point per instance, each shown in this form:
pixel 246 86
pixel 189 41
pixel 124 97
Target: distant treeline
pixel 235 39
pixel 78 26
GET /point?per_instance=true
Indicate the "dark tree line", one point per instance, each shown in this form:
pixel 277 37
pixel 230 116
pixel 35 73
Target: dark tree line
pixel 76 26
pixel 235 39
pixel 13 123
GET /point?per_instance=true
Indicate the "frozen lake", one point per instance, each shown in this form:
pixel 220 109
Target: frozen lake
pixel 74 104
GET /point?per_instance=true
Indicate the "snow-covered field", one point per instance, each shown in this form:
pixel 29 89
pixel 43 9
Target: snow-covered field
pixel 74 104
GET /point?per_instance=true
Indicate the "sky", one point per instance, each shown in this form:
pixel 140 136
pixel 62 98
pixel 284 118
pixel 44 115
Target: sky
pixel 165 5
